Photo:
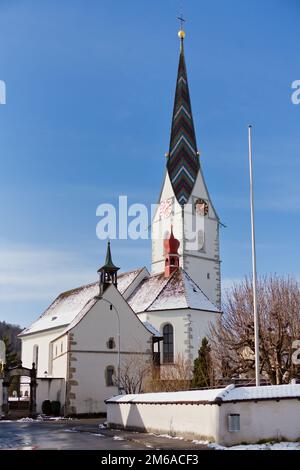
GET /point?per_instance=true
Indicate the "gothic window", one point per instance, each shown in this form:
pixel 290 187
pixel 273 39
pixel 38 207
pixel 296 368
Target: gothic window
pixel 168 344
pixel 109 376
pixel 35 355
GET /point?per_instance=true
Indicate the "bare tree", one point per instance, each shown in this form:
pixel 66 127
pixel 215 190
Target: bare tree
pixel 232 338
pixel 135 368
pixel 171 377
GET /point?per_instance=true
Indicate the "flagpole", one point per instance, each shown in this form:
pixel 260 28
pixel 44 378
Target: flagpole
pixel 254 274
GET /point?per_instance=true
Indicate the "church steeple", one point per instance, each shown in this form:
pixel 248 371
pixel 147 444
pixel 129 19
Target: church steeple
pixel 183 160
pixel 171 246
pixel 108 272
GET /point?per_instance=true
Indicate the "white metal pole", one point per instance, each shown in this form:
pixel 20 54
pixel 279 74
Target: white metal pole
pixel 254 274
pixel 119 352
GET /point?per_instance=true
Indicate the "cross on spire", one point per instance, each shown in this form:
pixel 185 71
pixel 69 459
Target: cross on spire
pixel 181 20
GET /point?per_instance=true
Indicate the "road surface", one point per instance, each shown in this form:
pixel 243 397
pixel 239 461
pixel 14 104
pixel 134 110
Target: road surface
pixel 82 435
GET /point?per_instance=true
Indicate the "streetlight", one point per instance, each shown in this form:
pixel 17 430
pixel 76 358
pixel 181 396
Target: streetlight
pixel 254 275
pixel 112 307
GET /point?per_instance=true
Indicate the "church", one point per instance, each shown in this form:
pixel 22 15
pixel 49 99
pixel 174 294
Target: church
pixel 88 336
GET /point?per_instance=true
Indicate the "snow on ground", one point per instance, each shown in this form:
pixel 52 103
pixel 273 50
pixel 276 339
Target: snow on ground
pixel 266 446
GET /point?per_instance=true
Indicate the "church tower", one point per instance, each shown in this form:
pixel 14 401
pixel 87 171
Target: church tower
pixel 107 272
pixel 184 201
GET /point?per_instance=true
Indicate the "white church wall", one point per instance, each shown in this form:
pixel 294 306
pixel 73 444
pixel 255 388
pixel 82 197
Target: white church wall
pixel 180 322
pixel 50 389
pixel 90 375
pixel 100 323
pixel 42 340
pixel 59 357
pixel 190 326
pixel 200 324
pixel 90 354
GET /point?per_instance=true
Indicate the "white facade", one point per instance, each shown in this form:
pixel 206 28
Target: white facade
pixel 89 355
pixel 189 326
pixel 76 357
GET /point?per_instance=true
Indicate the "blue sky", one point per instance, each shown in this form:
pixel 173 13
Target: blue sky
pixel 90 88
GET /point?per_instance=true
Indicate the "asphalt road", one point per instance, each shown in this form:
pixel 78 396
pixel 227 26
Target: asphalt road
pixel 81 435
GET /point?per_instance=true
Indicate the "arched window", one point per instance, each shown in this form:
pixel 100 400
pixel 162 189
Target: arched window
pixel 168 344
pixel 109 376
pixel 35 355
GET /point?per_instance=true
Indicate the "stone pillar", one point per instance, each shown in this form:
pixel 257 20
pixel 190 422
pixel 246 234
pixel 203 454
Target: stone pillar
pixel 33 385
pixel 5 385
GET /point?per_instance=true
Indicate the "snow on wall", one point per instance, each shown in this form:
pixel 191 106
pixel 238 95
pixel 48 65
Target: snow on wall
pixel 230 393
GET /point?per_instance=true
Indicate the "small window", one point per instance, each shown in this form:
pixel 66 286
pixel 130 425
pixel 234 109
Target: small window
pixel 109 376
pixel 208 275
pixel 61 347
pixel 56 350
pixel 111 343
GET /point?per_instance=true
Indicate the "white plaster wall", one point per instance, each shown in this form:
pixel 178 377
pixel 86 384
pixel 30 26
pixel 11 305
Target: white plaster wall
pixel 101 323
pixel 179 320
pixel 50 389
pixel 199 421
pixel 43 340
pixel 261 420
pixel 59 357
pixel 200 325
pixel 190 326
pixel 90 375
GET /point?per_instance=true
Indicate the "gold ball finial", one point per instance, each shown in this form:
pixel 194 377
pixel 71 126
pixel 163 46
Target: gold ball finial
pixel 181 34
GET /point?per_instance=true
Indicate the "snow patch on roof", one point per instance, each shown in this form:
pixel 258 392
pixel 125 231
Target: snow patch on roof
pixel 69 304
pixel 152 330
pixel 146 292
pixel 176 292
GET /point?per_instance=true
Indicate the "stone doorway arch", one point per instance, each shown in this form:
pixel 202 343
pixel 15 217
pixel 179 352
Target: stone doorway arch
pixel 17 408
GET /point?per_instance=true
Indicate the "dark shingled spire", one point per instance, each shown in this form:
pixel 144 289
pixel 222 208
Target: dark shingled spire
pixel 108 272
pixel 183 160
pixel 109 265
